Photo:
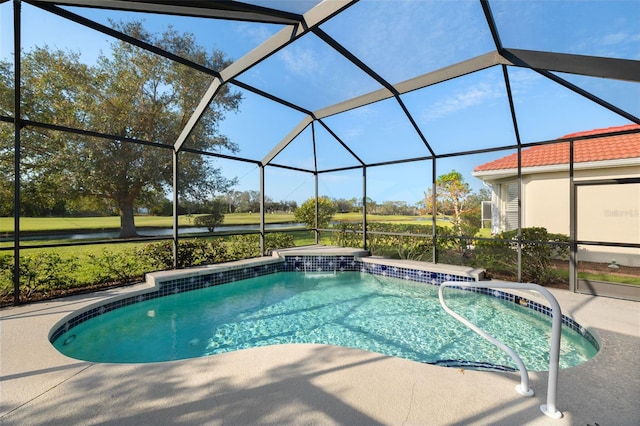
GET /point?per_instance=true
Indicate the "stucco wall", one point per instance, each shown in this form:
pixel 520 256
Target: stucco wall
pixel 609 213
pixel 546 202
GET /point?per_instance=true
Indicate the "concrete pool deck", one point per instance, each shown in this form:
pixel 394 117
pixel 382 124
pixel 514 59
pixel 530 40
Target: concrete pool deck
pixel 308 384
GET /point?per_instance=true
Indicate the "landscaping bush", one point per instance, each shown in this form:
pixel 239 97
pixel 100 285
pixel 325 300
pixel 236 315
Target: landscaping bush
pixel 6 275
pixel 497 256
pixel 190 253
pixel 46 270
pixel 120 266
pixel 243 246
pixel 402 246
pixel 347 235
pixel 278 240
pixel 396 246
pixel 248 245
pixel 539 248
pixel 45 273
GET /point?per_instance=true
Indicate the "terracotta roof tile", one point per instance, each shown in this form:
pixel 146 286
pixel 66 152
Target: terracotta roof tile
pixel 597 149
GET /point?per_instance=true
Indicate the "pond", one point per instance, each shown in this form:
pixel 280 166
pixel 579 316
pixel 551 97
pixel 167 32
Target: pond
pixel 146 232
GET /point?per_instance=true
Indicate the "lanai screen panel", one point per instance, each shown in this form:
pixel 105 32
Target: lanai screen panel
pixel 299 153
pixel 623 94
pixel 595 28
pixel 546 110
pixel 609 213
pixel 379 32
pixel 332 152
pixel 115 88
pixel 233 38
pixel 310 74
pixel 6 56
pixel 252 127
pixel 340 186
pixel 464 114
pixel 398 183
pixel 379 132
pixel 285 184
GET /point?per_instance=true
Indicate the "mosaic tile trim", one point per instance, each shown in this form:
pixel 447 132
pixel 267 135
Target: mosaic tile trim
pixel 321 264
pixel 427 277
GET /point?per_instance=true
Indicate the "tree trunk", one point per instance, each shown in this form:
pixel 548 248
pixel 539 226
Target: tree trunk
pixel 127 225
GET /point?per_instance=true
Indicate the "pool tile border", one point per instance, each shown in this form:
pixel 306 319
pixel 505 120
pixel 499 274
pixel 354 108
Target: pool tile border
pixel 173 282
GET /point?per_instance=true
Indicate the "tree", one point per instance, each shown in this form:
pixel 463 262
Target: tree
pixel 215 216
pixel 131 93
pixel 344 205
pixel 306 213
pixel 247 201
pixel 451 188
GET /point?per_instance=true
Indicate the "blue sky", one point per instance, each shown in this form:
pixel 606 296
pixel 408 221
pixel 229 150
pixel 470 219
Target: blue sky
pixel 399 40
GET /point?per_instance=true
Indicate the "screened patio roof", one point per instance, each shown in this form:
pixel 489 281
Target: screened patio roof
pixel 341 84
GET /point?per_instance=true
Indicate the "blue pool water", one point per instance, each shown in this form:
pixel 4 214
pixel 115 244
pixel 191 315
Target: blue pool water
pixel 380 314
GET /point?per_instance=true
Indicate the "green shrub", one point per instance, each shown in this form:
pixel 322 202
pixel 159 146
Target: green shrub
pixel 190 253
pixel 46 270
pixel 404 246
pixel 248 245
pixel 539 248
pixel 243 246
pixel 346 235
pixel 6 275
pixel 112 266
pixel 278 240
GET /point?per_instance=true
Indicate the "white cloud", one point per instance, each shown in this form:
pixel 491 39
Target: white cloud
pixel 463 99
pixel 256 33
pixel 300 61
pixel 614 38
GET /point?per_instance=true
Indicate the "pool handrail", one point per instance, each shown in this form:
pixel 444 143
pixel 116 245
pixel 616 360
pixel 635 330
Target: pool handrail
pixel 549 408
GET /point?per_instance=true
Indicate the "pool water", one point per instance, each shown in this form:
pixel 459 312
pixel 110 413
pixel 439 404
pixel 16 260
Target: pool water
pixel 379 314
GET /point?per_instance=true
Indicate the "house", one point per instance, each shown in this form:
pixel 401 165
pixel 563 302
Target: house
pixel 606 179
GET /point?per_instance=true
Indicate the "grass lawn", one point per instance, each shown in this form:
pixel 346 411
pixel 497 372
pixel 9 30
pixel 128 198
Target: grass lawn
pixel 43 224
pixel 609 278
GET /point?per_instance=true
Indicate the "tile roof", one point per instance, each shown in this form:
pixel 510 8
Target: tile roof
pixel 597 149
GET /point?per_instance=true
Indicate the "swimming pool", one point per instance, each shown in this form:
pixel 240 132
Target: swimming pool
pixel 382 314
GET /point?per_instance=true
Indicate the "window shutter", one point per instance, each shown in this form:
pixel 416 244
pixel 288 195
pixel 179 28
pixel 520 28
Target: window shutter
pixel 511 207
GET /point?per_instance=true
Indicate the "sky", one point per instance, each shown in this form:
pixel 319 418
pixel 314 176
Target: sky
pixel 399 40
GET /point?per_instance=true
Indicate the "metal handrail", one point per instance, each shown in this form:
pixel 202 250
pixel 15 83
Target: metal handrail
pixel 549 408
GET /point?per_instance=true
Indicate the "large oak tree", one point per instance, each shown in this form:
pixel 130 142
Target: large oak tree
pixel 128 92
